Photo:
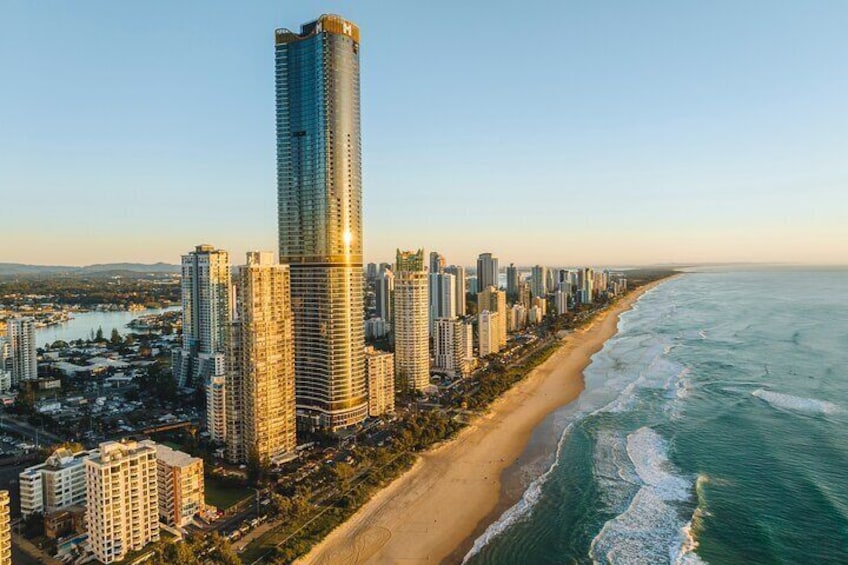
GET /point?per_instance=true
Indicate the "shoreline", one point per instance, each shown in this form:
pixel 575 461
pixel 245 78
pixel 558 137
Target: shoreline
pixel 437 508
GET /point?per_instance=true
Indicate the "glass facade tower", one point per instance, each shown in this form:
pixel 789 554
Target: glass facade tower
pixel 319 186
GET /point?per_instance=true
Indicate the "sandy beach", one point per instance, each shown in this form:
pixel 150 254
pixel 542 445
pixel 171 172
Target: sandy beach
pixel 432 510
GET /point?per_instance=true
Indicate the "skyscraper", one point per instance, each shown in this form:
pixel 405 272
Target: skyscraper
pixel 442 296
pixel 383 291
pixel 21 336
pixel 494 300
pixel 261 380
pixel 539 282
pixel 512 282
pixel 437 262
pixel 206 315
pixel 411 321
pixel 319 187
pixel 459 273
pixel 487 271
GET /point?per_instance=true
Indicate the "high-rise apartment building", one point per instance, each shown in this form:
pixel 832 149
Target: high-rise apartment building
pixel 437 262
pixel 487 271
pixel 539 281
pixel 216 405
pixel 5 365
pixel 459 273
pixel 122 499
pixel 488 333
pixel 453 344
pixel 206 315
pixel 561 302
pixel 494 300
pixel 371 271
pixel 261 376
pixel 180 484
pixel 442 296
pixel 319 187
pixel 383 291
pixel 513 280
pixel 5 530
pixel 585 282
pixel 380 368
pixel 56 484
pixel 411 321
pixel 20 331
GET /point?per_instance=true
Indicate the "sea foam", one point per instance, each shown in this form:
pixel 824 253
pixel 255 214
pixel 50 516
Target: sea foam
pixel 650 529
pixel 796 403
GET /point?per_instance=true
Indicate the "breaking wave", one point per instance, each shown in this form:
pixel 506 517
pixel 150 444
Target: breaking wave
pixel 650 530
pixel 796 403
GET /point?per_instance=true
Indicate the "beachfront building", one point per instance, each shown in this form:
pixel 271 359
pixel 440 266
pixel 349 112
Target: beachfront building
pixel 380 367
pixel 122 510
pixel 411 321
pixel 205 290
pixel 319 189
pixel 488 333
pixel 261 420
pixel 20 331
pixel 5 530
pixel 453 346
pixel 494 300
pixel 487 271
pixel 517 317
pixel 179 481
pixel 56 484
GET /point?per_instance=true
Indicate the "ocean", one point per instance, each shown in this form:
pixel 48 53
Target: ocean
pixel 713 429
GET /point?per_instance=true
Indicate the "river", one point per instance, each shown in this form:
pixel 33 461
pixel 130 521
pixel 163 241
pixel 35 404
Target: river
pixel 83 324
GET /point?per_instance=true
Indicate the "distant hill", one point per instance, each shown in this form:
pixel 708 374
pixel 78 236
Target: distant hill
pixel 7 269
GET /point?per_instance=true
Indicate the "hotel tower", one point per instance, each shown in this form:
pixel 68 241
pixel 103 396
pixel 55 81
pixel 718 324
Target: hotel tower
pixel 319 187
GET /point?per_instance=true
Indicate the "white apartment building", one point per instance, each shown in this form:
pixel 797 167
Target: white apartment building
pixel 216 406
pixel 411 322
pixel 561 302
pixel 21 337
pixel 57 483
pixel 453 344
pixel 122 510
pixel 380 368
pixel 206 290
pixel 488 332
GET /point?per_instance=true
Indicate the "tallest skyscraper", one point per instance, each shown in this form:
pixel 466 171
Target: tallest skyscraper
pixel 319 186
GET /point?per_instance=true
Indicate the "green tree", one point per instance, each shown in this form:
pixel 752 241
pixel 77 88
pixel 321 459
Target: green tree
pixel 99 335
pixel 115 339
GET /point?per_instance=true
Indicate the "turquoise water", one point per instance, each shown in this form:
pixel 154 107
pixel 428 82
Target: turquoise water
pixel 714 428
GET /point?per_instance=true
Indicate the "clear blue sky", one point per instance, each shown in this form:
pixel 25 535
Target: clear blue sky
pixel 555 132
